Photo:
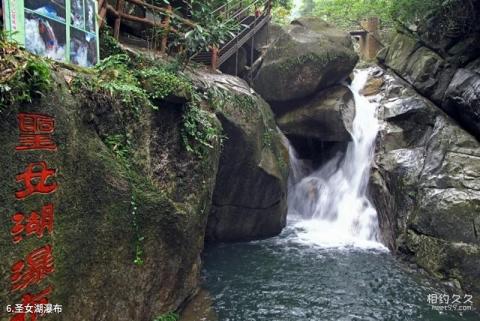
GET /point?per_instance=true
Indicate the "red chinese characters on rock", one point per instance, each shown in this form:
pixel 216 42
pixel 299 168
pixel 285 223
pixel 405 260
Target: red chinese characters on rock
pixel 32 300
pixel 36 132
pixel 35 180
pixel 37 266
pixel 35 224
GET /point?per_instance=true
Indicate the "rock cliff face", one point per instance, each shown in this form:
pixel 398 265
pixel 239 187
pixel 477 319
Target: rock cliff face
pixel 450 78
pixel 153 208
pixel 426 186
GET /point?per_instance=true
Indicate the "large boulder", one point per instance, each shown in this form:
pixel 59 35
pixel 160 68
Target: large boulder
pixel 110 209
pixel 474 66
pixel 308 56
pixel 249 201
pixel 327 117
pixel 426 187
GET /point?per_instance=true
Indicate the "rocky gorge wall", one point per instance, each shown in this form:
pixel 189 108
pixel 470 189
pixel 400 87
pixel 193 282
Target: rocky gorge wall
pixel 441 60
pixel 425 186
pixel 426 178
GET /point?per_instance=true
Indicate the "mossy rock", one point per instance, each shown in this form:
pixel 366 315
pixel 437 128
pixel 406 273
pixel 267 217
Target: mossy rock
pixel 457 262
pixel 249 201
pixel 308 56
pixel 96 236
pixel 399 52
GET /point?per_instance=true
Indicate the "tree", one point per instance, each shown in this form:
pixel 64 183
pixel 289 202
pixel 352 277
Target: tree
pixel 348 13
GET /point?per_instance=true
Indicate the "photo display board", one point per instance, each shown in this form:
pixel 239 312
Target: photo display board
pixel 63 30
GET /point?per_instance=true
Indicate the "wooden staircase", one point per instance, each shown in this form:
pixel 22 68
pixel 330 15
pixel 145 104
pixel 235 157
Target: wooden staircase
pixel 250 15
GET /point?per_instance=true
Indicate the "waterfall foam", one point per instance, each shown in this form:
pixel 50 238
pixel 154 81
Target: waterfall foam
pixel 36 44
pixel 331 203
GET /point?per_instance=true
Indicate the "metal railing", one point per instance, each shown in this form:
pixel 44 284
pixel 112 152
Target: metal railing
pixel 119 13
pixel 250 15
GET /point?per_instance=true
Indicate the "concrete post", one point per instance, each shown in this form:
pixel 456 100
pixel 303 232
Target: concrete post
pixel 369 45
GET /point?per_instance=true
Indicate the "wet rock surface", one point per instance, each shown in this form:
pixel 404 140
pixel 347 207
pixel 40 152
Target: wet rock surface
pixel 462 99
pixel 426 186
pixel 448 77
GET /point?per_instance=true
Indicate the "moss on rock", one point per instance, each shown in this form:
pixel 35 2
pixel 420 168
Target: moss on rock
pixel 99 231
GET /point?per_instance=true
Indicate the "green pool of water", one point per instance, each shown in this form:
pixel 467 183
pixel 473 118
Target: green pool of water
pixel 287 279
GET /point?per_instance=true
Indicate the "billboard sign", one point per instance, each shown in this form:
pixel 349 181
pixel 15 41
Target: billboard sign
pixel 63 30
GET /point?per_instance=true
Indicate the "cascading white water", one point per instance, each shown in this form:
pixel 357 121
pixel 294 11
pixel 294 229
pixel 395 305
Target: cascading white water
pixel 36 44
pixel 332 201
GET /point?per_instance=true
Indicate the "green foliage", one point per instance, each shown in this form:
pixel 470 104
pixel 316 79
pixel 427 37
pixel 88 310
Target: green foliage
pixel 23 79
pixel 160 82
pixel 348 13
pixel 115 78
pixel 211 29
pixel 287 4
pixel 171 316
pixel 281 11
pixel 118 144
pixel 122 147
pixel 203 37
pixel 281 15
pixel 23 76
pixel 109 46
pixel 199 132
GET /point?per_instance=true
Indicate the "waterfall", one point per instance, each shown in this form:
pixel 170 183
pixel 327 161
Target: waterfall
pixel 40 39
pixel 332 201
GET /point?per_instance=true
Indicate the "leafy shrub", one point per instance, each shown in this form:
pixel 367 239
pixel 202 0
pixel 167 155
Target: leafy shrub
pixel 348 13
pixel 23 76
pixel 114 77
pixel 199 132
pixel 171 316
pixel 160 82
pixel 109 46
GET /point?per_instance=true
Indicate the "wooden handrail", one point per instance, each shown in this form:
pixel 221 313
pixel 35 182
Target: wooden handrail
pixel 165 11
pixel 235 10
pixel 127 16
